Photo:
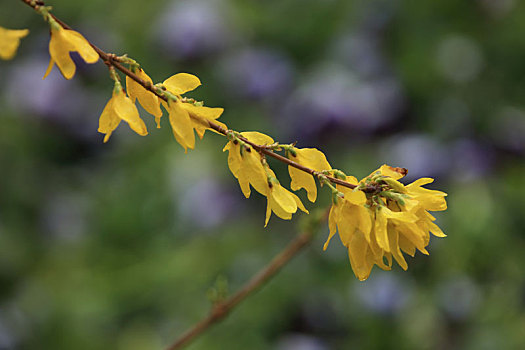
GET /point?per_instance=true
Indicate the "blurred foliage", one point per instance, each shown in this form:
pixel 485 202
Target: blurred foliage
pixel 115 246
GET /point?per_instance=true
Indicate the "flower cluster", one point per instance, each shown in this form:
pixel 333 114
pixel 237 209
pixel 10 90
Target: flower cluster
pixel 381 219
pixel 378 218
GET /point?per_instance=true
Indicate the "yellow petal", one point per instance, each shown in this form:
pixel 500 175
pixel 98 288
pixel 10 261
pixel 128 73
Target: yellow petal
pixel 311 158
pixel 279 202
pixel 283 198
pixel 181 83
pixel 403 216
pixel 436 231
pixel 300 204
pixel 200 114
pixel 253 170
pixel 332 224
pixel 257 137
pixel 394 173
pixel 420 182
pixel 9 41
pixel 406 246
pixel 146 98
pixel 356 197
pixel 49 68
pixel 181 125
pixel 80 45
pixel 364 220
pixel 126 110
pixel 108 120
pixel 361 258
pixel 300 179
pixel 59 49
pixel 393 237
pixel 414 234
pixel 380 229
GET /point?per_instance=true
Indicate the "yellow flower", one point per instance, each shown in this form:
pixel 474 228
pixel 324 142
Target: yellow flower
pixel 245 163
pixel 120 108
pixel 9 41
pixel 186 116
pixel 311 158
pixel 63 41
pixel 200 114
pixel 146 98
pixel 281 202
pixel 382 219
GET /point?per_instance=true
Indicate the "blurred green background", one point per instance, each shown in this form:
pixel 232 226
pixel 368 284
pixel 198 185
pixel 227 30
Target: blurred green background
pixel 114 246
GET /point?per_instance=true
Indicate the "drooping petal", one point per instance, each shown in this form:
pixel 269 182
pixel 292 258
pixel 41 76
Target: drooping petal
pixel 146 98
pixel 181 83
pixel 332 224
pixel 283 198
pixel 300 204
pixel 393 237
pixel 253 170
pixel 311 158
pixel 181 125
pixel 108 120
pixel 360 255
pixel 300 179
pixel 127 111
pixel 380 229
pixel 59 49
pixel 406 246
pixel 364 220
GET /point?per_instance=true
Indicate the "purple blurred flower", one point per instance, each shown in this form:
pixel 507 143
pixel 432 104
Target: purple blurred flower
pixel 471 159
pixel 206 203
pixel 257 73
pixel 384 293
pixel 333 95
pixel 422 155
pixel 194 28
pixel 60 101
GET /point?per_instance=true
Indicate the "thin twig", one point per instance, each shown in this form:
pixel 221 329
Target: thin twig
pixel 111 59
pixel 222 309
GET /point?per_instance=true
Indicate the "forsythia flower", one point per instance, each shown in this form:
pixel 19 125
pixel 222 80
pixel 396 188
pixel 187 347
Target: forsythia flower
pixel 9 41
pixel 120 108
pixel 382 218
pixel 281 201
pixel 63 41
pixel 245 163
pixel 311 158
pixel 186 116
pixel 146 98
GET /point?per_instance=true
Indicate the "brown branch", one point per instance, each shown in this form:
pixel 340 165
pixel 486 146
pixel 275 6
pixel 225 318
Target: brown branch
pixel 111 59
pixel 222 309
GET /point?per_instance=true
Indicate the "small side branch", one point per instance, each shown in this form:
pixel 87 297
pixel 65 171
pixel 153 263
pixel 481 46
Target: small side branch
pixel 222 309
